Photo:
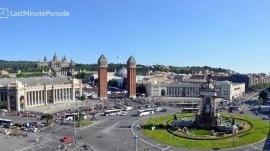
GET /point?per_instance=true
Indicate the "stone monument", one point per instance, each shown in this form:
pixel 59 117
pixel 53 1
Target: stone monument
pixel 207 117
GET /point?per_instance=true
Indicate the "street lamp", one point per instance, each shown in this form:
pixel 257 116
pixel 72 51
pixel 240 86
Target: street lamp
pixel 153 127
pixel 234 128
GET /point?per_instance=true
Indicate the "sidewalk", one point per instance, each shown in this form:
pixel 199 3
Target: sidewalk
pixel 52 108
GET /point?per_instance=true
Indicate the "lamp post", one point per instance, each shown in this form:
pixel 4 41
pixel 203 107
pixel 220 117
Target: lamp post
pixel 234 128
pixel 136 143
pixel 153 127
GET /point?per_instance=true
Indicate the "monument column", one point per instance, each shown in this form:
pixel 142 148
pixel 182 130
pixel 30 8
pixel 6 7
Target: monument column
pixel 102 77
pixel 131 77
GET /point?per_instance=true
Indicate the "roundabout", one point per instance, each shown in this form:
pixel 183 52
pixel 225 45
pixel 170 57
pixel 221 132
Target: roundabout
pixel 255 130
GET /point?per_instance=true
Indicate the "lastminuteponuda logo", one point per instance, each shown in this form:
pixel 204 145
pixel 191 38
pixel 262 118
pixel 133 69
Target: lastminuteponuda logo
pixel 7 13
pixel 4 13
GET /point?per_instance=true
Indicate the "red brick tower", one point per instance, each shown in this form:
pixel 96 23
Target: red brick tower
pixel 131 77
pixel 102 77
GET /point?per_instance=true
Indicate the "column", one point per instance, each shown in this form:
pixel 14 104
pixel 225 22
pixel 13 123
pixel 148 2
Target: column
pixel 41 97
pixel 46 99
pixel 33 97
pixel 53 94
pixel 57 95
pixel 62 95
pixel 38 95
pixel 73 93
pixel 8 100
pixel 65 94
pixel 69 94
pixel 27 98
pixel 18 103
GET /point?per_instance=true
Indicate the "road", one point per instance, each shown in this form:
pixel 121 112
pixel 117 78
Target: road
pixel 114 133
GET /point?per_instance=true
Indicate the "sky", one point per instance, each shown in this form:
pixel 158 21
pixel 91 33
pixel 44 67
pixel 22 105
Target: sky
pixel 231 34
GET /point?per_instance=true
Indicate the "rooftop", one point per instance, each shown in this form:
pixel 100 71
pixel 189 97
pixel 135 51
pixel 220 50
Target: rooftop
pixel 35 80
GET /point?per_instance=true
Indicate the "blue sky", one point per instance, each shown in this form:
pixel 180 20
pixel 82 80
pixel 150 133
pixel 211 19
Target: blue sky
pixel 219 33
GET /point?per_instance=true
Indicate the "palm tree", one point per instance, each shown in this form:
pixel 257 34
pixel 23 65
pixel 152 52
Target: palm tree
pixel 80 118
pixel 48 118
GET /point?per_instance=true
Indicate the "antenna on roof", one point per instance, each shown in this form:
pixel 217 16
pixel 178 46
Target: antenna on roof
pixel 119 58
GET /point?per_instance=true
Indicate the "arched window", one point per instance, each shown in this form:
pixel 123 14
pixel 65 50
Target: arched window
pixel 162 92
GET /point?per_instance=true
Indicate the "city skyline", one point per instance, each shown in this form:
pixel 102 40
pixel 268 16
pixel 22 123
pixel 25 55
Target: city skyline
pixel 228 34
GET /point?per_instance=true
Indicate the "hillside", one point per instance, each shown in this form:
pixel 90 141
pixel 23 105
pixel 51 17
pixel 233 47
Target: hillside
pixel 31 66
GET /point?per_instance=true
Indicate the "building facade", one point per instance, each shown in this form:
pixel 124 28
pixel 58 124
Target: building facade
pixel 242 78
pixel 56 64
pixel 230 91
pixel 19 94
pixel 226 90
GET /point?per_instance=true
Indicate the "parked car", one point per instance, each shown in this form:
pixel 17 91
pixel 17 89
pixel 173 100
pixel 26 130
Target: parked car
pixel 66 139
pixel 242 112
pixel 15 127
pixel 265 118
pixel 124 113
pixel 33 129
pixel 163 110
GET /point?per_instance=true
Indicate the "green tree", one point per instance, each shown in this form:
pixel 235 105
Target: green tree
pixel 48 118
pixel 2 103
pixel 83 97
pixel 79 118
pixel 174 117
pixel 112 83
pixel 263 95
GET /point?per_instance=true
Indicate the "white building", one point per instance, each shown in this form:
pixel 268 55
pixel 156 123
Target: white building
pixel 230 91
pixel 226 90
pixel 23 93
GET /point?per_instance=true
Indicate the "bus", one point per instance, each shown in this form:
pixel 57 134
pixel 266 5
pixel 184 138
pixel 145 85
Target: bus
pixel 112 112
pixel 190 110
pixel 6 122
pixel 187 105
pixel 145 112
pixel 70 116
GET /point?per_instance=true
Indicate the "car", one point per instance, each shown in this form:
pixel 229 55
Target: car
pixel 163 110
pixel 138 127
pixel 66 139
pixel 33 129
pixel 256 112
pixel 265 118
pixel 15 127
pixel 124 113
pixel 242 112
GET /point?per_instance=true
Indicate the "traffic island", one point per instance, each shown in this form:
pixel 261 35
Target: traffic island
pixel 254 130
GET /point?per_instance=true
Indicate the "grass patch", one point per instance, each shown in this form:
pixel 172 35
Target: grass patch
pixel 259 130
pixel 83 124
pixel 199 131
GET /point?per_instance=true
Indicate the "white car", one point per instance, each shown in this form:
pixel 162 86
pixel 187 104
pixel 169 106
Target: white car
pixel 265 118
pixel 128 108
pixel 124 113
pixel 33 129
